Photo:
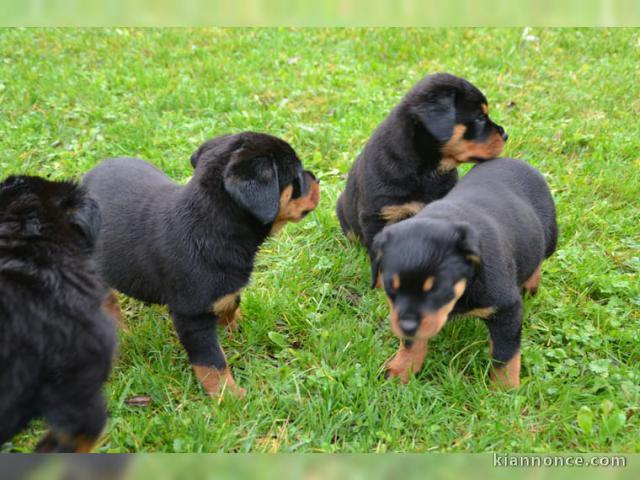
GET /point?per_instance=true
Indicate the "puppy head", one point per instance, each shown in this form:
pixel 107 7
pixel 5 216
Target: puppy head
pixel 424 267
pixel 262 174
pixel 35 208
pixel 455 114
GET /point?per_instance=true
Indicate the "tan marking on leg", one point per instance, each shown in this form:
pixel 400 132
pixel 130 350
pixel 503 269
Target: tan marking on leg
pixel 484 312
pixel 217 382
pixel 407 360
pixel 458 150
pixel 378 281
pixel 227 309
pixel 56 441
pixel 428 284
pixel 231 322
pixel 475 259
pixel 112 308
pixel 293 210
pixel 507 375
pixel 533 282
pixel 351 236
pixel 395 213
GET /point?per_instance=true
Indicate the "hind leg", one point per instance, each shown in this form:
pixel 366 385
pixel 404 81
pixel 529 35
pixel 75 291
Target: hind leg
pixel 505 327
pixel 227 309
pixel 533 282
pixel 111 307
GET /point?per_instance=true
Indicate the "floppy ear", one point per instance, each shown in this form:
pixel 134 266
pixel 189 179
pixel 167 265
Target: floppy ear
pixel 253 184
pixel 438 115
pixel 469 244
pixel 85 216
pixel 222 145
pixel 375 255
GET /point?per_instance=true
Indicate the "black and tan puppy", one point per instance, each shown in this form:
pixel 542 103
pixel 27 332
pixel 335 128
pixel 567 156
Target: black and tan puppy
pixel 56 342
pixel 411 158
pixel 470 253
pixel 192 247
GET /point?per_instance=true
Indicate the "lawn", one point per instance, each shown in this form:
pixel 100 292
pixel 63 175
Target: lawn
pixel 315 337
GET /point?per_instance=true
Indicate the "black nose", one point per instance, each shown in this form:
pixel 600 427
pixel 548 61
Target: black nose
pixel 409 326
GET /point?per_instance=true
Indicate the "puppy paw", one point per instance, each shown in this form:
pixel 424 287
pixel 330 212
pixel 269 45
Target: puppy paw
pixel 397 371
pixel 507 376
pixel 407 360
pixel 229 391
pixel 241 392
pixel 218 383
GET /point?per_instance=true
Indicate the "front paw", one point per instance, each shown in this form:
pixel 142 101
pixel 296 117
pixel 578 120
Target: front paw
pixel 229 391
pixel 408 360
pixel 218 383
pixel 394 370
pixel 507 375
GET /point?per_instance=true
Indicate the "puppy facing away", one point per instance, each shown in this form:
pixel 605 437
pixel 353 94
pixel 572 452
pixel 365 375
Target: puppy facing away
pixel 56 339
pixel 192 247
pixel 411 158
pixel 471 253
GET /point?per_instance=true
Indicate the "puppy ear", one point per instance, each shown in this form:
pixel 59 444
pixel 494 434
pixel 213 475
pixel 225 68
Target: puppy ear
pixel 84 214
pixel 253 184
pixel 438 115
pixel 469 244
pixel 222 145
pixel 375 254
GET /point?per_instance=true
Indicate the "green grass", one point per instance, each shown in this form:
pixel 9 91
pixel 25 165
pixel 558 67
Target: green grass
pixel 315 337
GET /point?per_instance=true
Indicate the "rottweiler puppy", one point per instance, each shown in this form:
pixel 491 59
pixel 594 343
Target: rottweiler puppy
pixel 470 253
pixel 411 158
pixel 193 247
pixel 57 339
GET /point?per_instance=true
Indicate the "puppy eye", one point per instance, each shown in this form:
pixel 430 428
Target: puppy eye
pixel 480 119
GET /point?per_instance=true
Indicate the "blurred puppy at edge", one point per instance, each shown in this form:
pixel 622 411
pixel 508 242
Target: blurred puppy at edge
pixel 57 334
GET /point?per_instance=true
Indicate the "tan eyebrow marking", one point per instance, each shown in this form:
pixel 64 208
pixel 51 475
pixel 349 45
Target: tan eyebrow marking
pixel 428 284
pixel 485 108
pixel 395 281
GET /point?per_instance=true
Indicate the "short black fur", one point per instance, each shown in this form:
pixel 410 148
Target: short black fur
pixel 56 342
pixel 494 229
pixel 188 246
pixel 401 162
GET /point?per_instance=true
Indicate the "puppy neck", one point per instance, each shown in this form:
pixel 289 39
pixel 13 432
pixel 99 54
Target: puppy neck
pixel 411 137
pixel 211 216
